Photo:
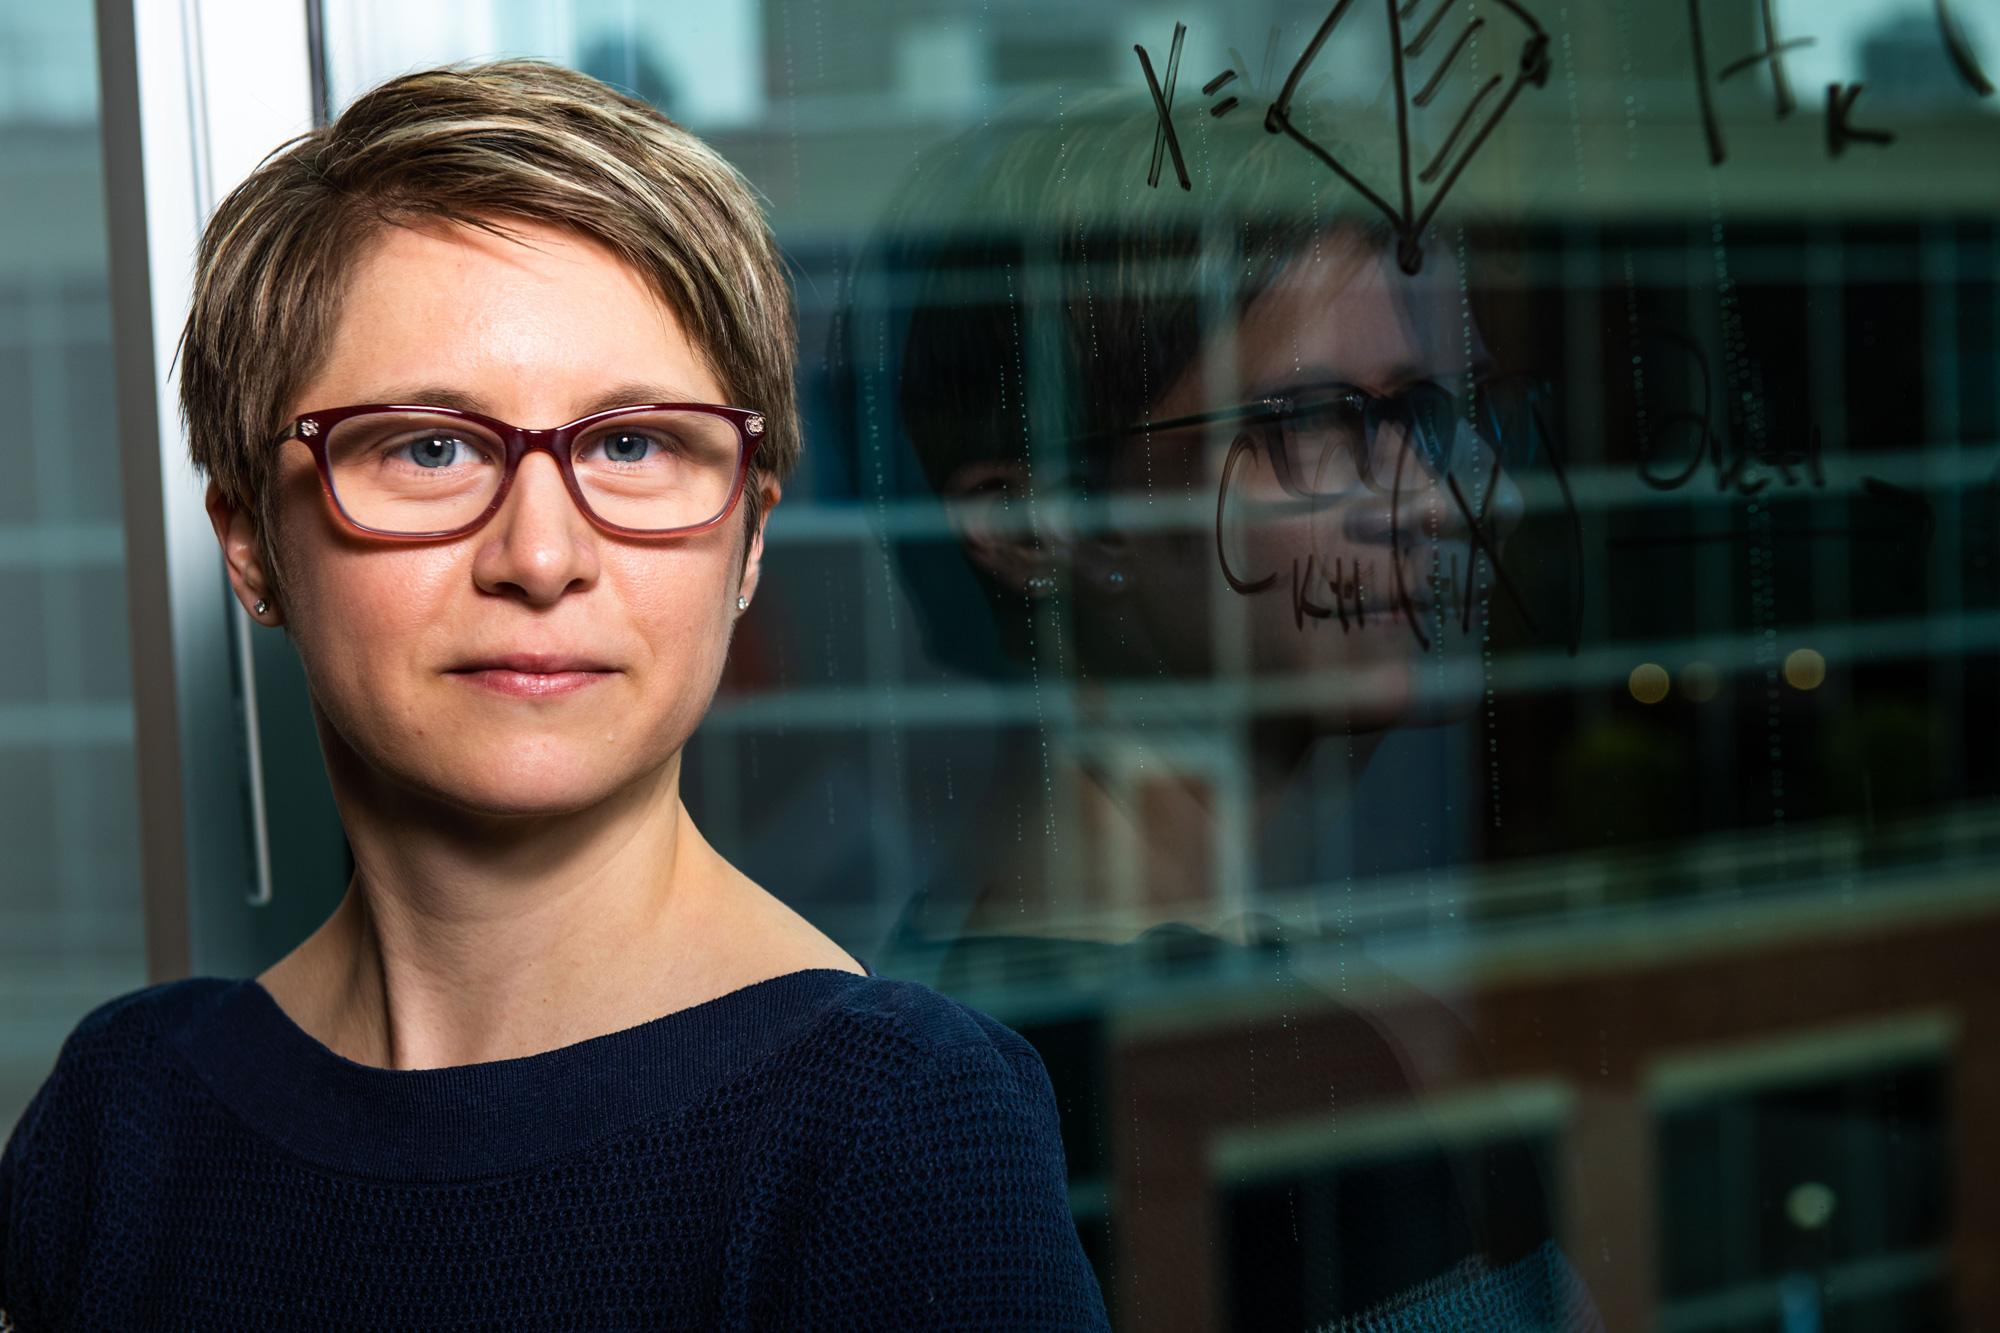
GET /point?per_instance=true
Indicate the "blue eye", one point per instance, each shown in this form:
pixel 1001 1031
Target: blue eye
pixel 434 451
pixel 626 448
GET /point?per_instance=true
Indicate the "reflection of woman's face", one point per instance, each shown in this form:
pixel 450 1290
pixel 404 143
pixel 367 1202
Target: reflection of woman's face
pixel 1352 559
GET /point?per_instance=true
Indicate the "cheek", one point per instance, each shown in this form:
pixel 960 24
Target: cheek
pixel 678 601
pixel 361 617
pixel 341 591
pixel 1169 570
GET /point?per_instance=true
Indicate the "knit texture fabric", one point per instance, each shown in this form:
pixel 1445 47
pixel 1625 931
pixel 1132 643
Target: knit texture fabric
pixel 818 1151
pixel 1539 1294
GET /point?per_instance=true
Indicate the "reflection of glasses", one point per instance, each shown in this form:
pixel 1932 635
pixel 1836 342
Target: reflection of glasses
pixel 435 472
pixel 1324 440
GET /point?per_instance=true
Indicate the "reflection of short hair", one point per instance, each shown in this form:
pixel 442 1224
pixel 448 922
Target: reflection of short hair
pixel 1058 295
pixel 1029 296
pixel 480 145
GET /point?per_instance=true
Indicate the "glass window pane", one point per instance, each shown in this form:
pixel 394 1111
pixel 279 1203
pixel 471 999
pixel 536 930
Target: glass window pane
pixel 71 934
pixel 1409 590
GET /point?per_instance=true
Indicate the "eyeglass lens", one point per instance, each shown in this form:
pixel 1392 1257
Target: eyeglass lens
pixel 413 473
pixel 1337 439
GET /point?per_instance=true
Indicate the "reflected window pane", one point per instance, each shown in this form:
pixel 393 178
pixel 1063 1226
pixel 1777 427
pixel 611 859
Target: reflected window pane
pixel 1537 854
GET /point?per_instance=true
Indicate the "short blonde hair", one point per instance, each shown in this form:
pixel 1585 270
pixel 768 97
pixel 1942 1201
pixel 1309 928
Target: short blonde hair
pixel 480 145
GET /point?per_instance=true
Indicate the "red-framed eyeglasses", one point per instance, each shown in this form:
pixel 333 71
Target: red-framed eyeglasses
pixel 430 473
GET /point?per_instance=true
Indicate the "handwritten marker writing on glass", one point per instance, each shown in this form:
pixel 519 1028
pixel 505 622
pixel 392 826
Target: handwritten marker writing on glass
pixel 1773 55
pixel 1840 97
pixel 1840 131
pixel 1961 55
pixel 1165 141
pixel 1479 109
pixel 1216 85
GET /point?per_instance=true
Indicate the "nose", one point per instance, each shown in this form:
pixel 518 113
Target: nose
pixel 1421 510
pixel 539 547
pixel 1373 520
pixel 1438 509
pixel 1507 508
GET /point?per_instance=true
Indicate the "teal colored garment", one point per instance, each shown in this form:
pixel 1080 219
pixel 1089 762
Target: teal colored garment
pixel 818 1151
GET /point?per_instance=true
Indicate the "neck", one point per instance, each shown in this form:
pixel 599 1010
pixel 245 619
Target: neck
pixel 464 939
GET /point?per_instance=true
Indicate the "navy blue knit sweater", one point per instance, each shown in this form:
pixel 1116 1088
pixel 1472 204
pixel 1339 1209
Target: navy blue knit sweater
pixel 819 1151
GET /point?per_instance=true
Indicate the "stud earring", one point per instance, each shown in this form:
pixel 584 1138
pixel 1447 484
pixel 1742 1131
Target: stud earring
pixel 262 606
pixel 743 604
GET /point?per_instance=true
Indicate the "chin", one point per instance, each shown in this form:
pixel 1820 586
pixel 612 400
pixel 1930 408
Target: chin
pixel 1385 703
pixel 533 782
pixel 485 768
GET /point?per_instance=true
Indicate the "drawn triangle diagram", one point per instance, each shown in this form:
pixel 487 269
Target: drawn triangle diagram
pixel 1428 40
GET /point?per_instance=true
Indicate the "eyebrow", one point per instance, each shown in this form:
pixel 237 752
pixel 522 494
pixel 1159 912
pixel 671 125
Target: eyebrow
pixel 458 400
pixel 1403 373
pixel 1398 376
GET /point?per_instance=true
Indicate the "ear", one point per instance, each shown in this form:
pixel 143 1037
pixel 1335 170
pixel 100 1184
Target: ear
pixel 989 510
pixel 236 533
pixel 769 492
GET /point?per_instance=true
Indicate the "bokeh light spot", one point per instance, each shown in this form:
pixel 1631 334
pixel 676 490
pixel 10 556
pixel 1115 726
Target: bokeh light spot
pixel 1649 682
pixel 1811 1205
pixel 1805 669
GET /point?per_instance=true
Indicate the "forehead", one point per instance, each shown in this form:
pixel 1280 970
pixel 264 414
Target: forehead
pixel 1341 309
pixel 484 268
pixel 522 318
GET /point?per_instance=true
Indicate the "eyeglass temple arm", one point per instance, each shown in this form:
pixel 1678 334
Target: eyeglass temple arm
pixel 1262 410
pixel 1274 408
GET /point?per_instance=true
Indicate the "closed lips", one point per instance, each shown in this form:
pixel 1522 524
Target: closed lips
pixel 533 675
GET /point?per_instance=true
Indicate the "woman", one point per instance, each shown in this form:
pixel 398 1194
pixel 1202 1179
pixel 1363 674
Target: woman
pixel 553 1061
